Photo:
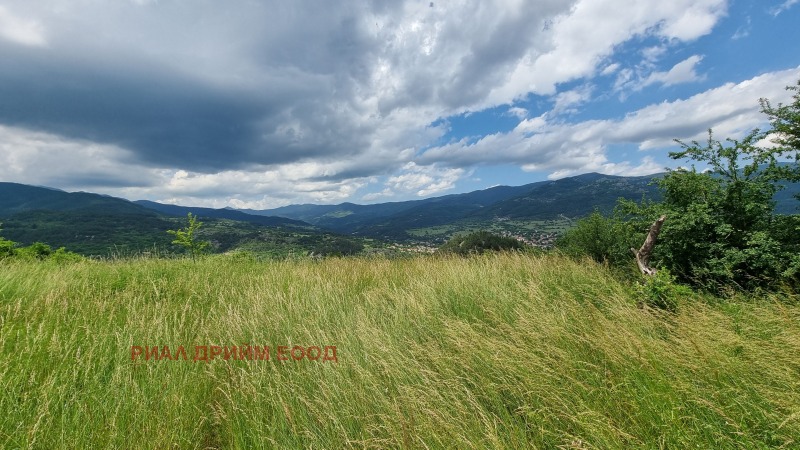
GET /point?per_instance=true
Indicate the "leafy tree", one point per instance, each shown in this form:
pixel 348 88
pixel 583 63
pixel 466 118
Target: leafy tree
pixel 337 246
pixel 604 239
pixel 479 242
pixel 6 247
pixel 187 238
pixel 37 250
pixel 785 132
pixel 721 231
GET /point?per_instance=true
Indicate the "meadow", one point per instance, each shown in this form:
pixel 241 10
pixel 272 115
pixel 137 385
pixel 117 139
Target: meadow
pixel 492 351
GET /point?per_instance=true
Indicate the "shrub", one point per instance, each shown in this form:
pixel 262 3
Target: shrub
pixel 660 291
pixel 62 255
pixel 37 250
pixel 479 242
pixel 604 239
pixel 187 237
pixel 7 249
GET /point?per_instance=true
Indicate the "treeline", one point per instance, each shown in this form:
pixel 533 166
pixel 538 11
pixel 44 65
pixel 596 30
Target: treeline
pixel 479 242
pixel 721 233
pixel 37 251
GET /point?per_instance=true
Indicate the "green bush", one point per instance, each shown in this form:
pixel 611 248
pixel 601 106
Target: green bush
pixel 660 291
pixel 7 249
pixel 62 255
pixel 43 252
pixel 604 239
pixel 721 232
pixel 37 250
pixel 479 242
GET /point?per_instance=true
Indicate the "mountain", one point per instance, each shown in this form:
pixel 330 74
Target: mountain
pixel 81 221
pixel 544 200
pixel 93 224
pixel 15 198
pixel 350 217
pixel 517 206
pixel 573 197
pixel 224 213
pixel 786 199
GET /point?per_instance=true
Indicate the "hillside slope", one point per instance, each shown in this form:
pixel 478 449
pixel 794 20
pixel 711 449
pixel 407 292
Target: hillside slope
pixel 224 213
pixel 93 224
pixel 501 351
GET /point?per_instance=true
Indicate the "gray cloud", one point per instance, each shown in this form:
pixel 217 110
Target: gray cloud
pixel 300 100
pixel 282 91
pixel 164 119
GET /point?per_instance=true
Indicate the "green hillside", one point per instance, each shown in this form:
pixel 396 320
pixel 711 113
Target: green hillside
pixel 498 351
pixel 97 225
pixel 573 197
pixel 539 208
pixel 15 198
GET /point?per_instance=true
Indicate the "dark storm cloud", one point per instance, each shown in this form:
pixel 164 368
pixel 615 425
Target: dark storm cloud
pixel 164 118
pixel 197 87
pixel 103 180
pixel 302 99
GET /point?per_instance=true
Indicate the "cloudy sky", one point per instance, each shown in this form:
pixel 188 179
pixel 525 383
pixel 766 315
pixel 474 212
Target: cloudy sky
pixel 259 104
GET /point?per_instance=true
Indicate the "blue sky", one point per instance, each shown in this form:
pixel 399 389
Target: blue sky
pixel 264 104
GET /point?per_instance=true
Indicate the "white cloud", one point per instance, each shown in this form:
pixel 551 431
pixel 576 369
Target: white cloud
pixel 424 180
pixel 20 30
pixel 568 101
pixel 520 113
pixel 33 157
pixel 683 72
pixel 783 7
pixel 743 31
pixel 654 53
pixel 570 148
pixel 609 69
pixel 326 98
pixel 581 39
pixel 44 159
pixel 646 167
pixel 695 20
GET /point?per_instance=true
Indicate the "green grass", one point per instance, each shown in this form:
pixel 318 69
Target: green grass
pixel 499 351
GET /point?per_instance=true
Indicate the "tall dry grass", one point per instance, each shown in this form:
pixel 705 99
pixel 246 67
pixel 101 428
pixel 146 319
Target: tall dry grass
pixel 499 351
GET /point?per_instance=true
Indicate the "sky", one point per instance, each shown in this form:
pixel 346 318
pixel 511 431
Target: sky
pixel 261 104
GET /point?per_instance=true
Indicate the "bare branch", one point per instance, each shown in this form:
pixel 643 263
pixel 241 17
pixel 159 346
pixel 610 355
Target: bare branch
pixel 643 254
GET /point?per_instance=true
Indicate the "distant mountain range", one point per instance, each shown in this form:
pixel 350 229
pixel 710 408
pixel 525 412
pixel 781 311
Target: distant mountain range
pixel 90 221
pixel 95 224
pixel 224 213
pixel 545 200
pixel 571 197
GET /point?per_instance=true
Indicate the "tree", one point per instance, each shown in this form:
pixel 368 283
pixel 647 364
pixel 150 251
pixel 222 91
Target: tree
pixel 37 250
pixel 6 247
pixel 596 236
pixel 479 242
pixel 722 231
pixel 785 131
pixel 186 237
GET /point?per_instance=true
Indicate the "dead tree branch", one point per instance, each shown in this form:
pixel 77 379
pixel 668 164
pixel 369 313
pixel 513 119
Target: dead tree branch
pixel 643 254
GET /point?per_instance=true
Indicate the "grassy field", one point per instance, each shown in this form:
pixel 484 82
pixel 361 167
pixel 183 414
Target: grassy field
pixel 499 351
